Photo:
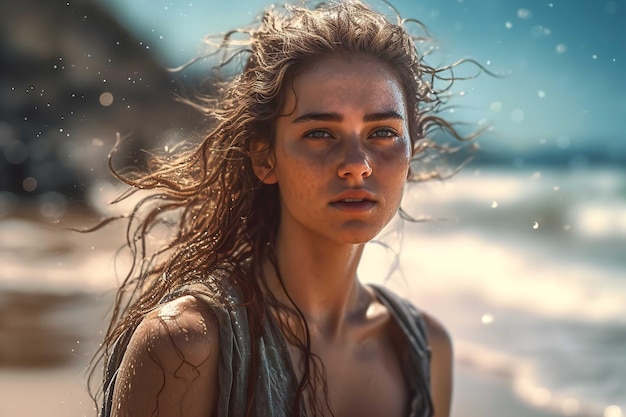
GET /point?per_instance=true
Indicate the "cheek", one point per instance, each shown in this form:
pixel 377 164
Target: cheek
pixel 297 180
pixel 397 161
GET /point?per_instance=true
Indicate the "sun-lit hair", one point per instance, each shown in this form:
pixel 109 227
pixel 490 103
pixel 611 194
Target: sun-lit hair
pixel 220 214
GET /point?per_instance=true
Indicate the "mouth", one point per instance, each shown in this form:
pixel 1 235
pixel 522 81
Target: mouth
pixel 354 204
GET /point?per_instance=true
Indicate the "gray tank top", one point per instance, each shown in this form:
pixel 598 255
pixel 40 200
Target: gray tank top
pixel 276 382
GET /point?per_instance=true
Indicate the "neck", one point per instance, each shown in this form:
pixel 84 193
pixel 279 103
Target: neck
pixel 320 278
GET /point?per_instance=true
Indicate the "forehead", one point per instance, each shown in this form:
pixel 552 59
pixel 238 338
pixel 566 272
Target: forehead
pixel 340 84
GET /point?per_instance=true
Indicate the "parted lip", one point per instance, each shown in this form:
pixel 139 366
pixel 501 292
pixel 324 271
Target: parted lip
pixel 353 196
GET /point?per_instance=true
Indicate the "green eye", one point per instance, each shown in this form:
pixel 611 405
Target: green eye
pixel 317 134
pixel 385 133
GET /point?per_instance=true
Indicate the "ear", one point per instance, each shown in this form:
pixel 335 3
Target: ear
pixel 263 162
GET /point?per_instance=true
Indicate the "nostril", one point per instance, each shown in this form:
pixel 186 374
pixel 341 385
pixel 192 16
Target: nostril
pixel 356 164
pixel 361 169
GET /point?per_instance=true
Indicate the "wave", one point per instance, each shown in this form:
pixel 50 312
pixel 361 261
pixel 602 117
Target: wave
pixel 515 275
pixel 524 376
pixel 570 216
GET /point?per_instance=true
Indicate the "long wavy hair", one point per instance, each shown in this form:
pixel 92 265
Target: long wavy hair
pixel 220 215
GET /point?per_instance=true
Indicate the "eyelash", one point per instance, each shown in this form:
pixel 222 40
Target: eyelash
pixel 312 134
pixel 389 133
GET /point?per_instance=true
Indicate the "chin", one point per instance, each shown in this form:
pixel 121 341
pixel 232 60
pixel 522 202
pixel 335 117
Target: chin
pixel 357 237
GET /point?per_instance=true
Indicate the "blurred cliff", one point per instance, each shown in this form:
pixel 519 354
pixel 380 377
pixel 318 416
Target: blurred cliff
pixel 71 79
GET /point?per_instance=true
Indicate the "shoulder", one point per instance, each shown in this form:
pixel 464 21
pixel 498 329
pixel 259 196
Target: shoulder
pixel 441 365
pixel 171 362
pixel 438 337
pixel 181 327
pixel 432 335
pixel 431 329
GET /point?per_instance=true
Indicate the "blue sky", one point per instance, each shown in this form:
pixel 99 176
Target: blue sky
pixel 563 61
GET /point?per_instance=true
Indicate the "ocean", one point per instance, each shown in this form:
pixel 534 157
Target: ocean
pixel 526 268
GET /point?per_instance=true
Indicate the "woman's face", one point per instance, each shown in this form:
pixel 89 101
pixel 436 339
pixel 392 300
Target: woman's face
pixel 341 152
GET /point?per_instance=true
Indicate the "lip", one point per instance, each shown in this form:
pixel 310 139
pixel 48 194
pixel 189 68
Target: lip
pixel 354 200
pixel 358 194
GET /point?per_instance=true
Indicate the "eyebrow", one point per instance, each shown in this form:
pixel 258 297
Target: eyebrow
pixel 335 117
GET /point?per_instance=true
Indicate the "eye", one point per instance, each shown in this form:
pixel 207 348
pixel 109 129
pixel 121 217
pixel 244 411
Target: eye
pixel 384 133
pixel 317 134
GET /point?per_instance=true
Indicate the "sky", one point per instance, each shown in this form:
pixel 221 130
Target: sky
pixel 562 61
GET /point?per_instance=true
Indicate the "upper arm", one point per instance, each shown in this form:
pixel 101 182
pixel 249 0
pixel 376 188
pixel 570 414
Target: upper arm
pixel 440 366
pixel 170 365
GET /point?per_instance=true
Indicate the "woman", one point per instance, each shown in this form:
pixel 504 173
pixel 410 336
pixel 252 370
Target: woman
pixel 254 307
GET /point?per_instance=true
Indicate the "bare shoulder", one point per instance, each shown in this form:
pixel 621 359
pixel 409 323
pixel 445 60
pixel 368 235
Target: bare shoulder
pixel 171 363
pixel 441 365
pixel 183 327
pixel 438 336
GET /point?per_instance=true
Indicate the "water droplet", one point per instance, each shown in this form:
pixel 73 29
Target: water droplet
pixel 517 116
pixel 561 48
pixel 494 204
pixel 541 93
pixel 508 25
pixel 594 56
pixel 486 319
pixel 535 226
pixel 106 99
pixel 29 184
pixel 524 13
pixel 495 107
pixel 556 188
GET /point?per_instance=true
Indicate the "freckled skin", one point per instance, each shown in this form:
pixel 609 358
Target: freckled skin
pixel 312 171
pixel 358 149
pixel 170 366
pixel 345 129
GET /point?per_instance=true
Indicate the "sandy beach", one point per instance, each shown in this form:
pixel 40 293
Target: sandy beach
pixel 53 383
pixel 62 393
pixel 55 293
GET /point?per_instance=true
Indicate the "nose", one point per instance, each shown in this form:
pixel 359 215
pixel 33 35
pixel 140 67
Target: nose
pixel 355 162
